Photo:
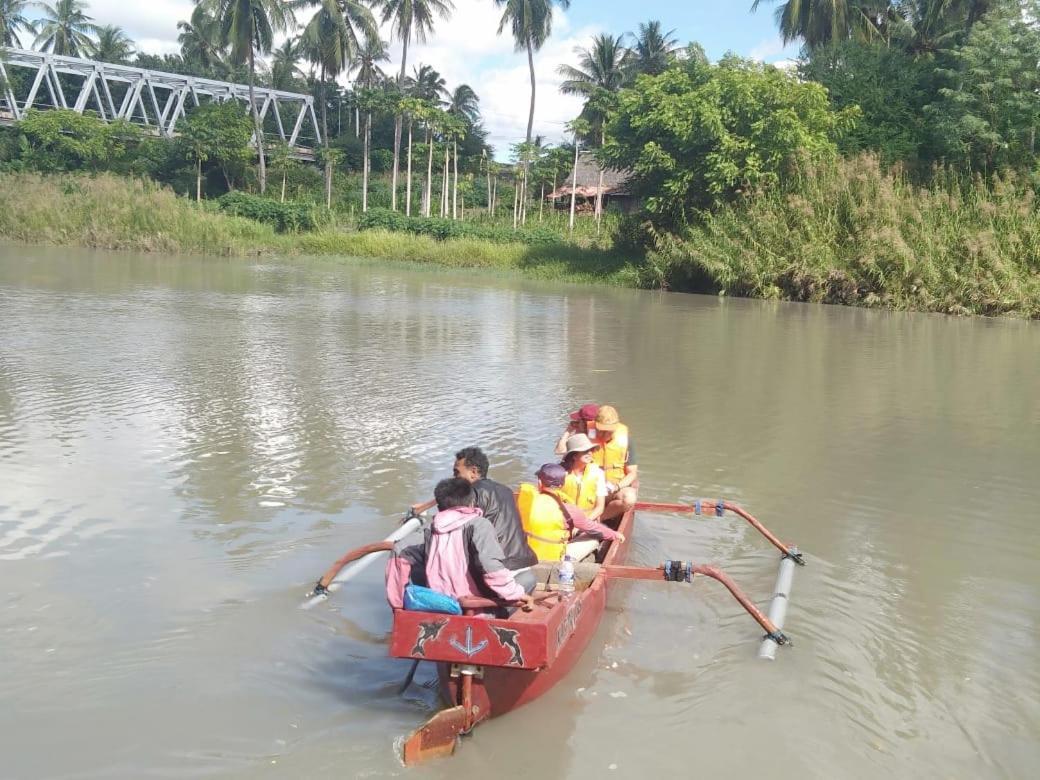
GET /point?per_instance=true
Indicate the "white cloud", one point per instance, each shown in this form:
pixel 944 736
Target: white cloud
pixel 151 20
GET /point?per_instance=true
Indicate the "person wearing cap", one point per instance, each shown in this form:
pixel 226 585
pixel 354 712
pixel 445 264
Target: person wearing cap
pixel 555 527
pixel 616 456
pixel 586 484
pixel 580 423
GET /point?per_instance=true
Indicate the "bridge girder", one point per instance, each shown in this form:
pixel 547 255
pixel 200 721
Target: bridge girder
pixel 141 103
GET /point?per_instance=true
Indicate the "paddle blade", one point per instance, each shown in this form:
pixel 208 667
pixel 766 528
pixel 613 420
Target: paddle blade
pixel 437 737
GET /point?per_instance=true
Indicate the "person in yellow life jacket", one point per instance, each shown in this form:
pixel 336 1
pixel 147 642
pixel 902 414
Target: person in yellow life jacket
pixel 551 522
pixel 586 484
pixel 616 456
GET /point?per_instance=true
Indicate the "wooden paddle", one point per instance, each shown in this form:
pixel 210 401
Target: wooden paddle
pixel 718 507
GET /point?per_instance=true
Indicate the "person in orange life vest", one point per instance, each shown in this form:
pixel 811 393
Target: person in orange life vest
pixel 579 424
pixel 586 484
pixel 616 456
pixel 459 552
pixel 551 478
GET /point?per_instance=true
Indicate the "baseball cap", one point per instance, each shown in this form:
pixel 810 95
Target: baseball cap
pixel 586 413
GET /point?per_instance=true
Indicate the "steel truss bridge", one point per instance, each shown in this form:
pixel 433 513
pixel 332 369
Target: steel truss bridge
pixel 150 98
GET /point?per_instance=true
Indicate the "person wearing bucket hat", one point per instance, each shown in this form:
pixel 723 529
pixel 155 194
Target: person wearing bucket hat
pixel 554 526
pixel 582 421
pixel 586 485
pixel 616 456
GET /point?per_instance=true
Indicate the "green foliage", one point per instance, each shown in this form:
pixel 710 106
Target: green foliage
pixel 988 107
pixel 889 87
pixel 698 135
pixel 288 217
pixel 395 221
pixel 63 140
pixel 218 133
pixel 851 232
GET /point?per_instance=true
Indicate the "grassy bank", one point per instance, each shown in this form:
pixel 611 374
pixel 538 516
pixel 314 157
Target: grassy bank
pixel 110 212
pixel 854 233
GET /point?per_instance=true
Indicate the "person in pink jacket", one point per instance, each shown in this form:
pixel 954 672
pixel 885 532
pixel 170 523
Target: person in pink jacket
pixel 460 553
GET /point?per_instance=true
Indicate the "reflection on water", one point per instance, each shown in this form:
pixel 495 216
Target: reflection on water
pixel 186 444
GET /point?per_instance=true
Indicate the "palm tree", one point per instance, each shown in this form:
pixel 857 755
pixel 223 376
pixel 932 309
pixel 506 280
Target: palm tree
pixel 464 104
pixel 819 22
pixel 601 72
pixel 331 41
pixel 366 70
pixel 200 38
pixel 13 19
pixel 64 28
pixel 410 20
pixel 427 84
pixel 112 45
pixel 530 21
pixel 248 27
pixel 653 49
pixel 285 64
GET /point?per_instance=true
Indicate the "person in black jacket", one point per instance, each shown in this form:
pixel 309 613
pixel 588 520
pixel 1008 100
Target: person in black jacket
pixel 497 502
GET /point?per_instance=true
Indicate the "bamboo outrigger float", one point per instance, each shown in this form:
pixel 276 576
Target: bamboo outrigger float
pixel 488 666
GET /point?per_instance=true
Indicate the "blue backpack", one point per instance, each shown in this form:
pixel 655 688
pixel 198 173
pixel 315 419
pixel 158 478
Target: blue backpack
pixel 421 599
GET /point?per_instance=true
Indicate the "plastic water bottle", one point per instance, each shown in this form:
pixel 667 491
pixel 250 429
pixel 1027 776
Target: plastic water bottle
pixel 567 576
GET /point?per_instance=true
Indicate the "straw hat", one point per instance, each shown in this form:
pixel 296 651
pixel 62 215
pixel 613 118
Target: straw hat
pixel 579 442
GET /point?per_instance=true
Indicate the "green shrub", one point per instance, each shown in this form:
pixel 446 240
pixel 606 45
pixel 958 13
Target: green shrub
pixel 442 229
pixel 284 217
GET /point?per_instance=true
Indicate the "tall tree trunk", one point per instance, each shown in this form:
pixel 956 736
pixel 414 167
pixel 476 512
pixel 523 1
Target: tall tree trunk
pixel 489 203
pixel 516 201
pixel 444 181
pixel 429 174
pixel 599 191
pixel 530 64
pixel 198 180
pixel 365 162
pixel 408 180
pixel 257 128
pixel 397 121
pixel 541 201
pixel 455 179
pixel 574 181
pixel 462 207
pixel 494 194
pixel 325 138
pixel 357 122
pixel 283 186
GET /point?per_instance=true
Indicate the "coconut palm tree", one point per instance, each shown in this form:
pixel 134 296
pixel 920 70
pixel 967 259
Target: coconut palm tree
pixel 112 45
pixel 248 28
pixel 199 38
pixel 409 20
pixel 13 19
pixel 285 64
pixel 366 70
pixel 600 74
pixel 427 84
pixel 331 40
pixel 819 22
pixel 64 28
pixel 530 22
pixel 464 104
pixel 653 49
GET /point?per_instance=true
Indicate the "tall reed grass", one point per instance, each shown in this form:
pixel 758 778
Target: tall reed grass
pixel 110 212
pixel 852 232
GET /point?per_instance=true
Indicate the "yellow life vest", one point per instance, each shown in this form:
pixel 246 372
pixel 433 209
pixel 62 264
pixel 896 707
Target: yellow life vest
pixel 612 456
pixel 544 523
pixel 581 491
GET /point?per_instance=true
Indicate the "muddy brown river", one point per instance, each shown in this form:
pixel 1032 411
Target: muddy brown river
pixel 185 444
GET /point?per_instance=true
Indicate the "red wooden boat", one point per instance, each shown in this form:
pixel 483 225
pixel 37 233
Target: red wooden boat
pixel 488 666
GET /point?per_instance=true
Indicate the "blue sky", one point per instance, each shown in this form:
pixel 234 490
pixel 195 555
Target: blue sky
pixel 467 49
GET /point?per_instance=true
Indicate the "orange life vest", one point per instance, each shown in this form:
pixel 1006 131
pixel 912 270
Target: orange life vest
pixel 613 455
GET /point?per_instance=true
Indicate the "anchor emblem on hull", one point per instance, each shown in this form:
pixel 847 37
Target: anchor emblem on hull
pixel 469 649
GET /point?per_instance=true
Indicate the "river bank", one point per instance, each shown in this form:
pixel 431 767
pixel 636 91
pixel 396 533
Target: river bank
pixel 115 213
pixel 850 234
